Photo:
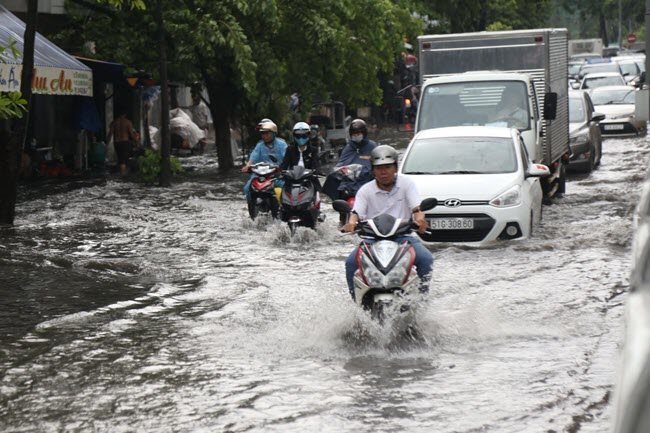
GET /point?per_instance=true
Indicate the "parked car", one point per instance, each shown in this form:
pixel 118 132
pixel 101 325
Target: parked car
pixel 484 180
pixel 599 79
pixel 617 104
pixel 585 139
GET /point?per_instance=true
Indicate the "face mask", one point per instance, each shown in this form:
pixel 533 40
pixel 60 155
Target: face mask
pixel 356 138
pixel 301 141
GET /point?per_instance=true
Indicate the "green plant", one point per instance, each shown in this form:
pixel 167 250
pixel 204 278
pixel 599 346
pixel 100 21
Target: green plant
pixel 149 165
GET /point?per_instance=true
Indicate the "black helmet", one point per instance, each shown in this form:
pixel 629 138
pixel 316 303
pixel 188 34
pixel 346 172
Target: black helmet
pixel 382 155
pixel 313 130
pixel 358 126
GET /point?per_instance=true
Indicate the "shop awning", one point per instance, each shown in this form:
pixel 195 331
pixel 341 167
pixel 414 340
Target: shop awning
pixel 103 71
pixel 55 71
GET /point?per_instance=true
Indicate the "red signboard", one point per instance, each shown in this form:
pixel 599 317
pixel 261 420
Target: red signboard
pixel 631 38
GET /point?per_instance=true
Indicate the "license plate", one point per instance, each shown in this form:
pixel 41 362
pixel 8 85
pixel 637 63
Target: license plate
pixel 614 127
pixel 451 223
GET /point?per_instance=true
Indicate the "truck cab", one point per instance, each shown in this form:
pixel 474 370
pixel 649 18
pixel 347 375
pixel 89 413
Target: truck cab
pixel 482 99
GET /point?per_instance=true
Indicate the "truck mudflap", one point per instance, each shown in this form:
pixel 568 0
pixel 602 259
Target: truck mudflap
pixel 555 184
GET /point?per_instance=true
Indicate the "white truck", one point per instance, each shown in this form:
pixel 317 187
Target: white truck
pixel 585 46
pixel 508 78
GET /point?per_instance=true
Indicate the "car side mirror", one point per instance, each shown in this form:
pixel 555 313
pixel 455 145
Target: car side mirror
pixel 597 117
pixel 550 106
pixel 538 170
pixel 575 85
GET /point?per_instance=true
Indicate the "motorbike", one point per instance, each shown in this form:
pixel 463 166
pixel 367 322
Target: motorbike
pixel 300 202
pixel 386 278
pixel 263 196
pixel 346 172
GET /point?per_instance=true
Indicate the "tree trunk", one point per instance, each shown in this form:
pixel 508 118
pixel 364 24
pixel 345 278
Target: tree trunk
pixel 8 175
pixel 220 115
pixel 165 165
pixel 603 30
pixel 12 143
pixel 222 137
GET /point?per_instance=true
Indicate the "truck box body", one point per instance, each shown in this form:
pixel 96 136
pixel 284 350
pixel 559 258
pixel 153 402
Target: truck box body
pixel 586 46
pixel 540 54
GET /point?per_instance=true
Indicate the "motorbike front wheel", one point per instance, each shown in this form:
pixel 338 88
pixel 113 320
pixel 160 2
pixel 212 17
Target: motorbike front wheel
pixel 292 228
pixel 252 209
pixel 378 311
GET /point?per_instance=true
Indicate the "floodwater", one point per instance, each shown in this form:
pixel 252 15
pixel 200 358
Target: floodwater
pixel 132 308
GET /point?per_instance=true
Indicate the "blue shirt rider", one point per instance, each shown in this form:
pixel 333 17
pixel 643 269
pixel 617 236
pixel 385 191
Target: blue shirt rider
pixel 356 151
pixel 269 149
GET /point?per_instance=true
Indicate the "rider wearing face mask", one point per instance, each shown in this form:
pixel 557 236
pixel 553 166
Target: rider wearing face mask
pixel 356 151
pixel 301 152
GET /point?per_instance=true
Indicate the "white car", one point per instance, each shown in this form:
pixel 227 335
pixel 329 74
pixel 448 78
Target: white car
pixel 486 185
pixel 600 79
pixel 617 103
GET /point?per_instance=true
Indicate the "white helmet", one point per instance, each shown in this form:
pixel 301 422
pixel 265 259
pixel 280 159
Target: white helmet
pixel 382 155
pixel 301 128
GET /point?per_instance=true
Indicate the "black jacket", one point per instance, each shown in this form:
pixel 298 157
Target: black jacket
pixel 309 157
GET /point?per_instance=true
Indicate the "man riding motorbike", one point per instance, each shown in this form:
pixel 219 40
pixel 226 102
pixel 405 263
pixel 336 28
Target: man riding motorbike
pixel 269 149
pixel 397 196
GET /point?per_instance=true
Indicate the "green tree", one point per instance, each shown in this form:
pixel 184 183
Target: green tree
pixel 252 54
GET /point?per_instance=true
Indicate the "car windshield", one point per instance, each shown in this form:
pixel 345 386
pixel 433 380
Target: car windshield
pixel 593 82
pixel 599 67
pixel 479 103
pixel 629 68
pixel 641 64
pixel 576 110
pixel 613 96
pixel 461 155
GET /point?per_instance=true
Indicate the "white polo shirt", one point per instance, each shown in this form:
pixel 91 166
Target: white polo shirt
pixel 399 202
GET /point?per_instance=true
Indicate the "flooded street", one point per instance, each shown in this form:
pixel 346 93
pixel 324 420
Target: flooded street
pixel 132 308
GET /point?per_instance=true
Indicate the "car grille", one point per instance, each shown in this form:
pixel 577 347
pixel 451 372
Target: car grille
pixel 482 226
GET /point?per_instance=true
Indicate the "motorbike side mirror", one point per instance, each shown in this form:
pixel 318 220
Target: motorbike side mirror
pixel 341 206
pixel 428 204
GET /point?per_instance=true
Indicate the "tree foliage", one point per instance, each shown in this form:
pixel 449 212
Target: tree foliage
pixel 600 18
pixel 12 104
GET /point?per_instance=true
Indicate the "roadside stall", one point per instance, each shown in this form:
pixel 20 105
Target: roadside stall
pixel 62 99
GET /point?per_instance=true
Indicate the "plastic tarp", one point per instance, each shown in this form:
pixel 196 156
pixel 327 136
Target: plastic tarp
pixel 55 71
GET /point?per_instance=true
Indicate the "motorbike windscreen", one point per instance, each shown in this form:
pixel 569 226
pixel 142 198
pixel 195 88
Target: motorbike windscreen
pixel 479 103
pixel 461 155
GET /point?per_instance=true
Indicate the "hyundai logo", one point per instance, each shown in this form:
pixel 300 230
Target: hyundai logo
pixel 452 202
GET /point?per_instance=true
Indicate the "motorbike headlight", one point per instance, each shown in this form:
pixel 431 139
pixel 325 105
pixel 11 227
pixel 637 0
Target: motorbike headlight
pixel 373 276
pixel 511 197
pixel 396 276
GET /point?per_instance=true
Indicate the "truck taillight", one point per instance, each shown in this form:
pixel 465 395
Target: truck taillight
pixel 426 45
pixel 539 39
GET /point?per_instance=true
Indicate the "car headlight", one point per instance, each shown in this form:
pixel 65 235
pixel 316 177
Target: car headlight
pixel 511 197
pixel 579 139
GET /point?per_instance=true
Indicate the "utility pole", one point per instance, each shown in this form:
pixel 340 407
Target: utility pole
pixel 620 19
pixel 647 39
